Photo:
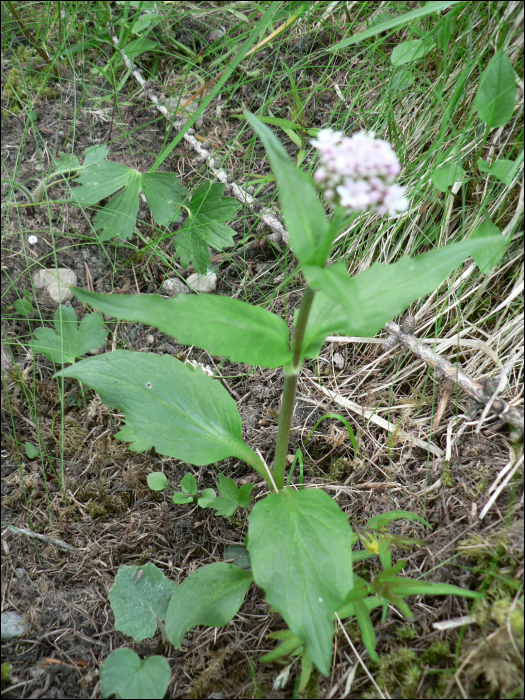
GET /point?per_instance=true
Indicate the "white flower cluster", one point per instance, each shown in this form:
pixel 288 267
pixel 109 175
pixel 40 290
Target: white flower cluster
pixel 358 172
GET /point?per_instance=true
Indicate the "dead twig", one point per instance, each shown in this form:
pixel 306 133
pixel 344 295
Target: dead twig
pixel 43 538
pixel 454 374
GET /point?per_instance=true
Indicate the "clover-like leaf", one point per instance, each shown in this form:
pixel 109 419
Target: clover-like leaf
pixel 69 340
pixel 204 226
pixel 139 599
pixel 124 675
pixel 210 596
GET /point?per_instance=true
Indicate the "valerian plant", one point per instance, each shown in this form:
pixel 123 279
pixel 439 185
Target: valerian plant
pixel 299 541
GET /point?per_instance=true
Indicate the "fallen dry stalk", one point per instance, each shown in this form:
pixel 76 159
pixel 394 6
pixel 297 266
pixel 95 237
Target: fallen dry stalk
pixel 454 374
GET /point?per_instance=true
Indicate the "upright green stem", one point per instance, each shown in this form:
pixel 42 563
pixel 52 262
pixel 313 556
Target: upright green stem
pixel 290 387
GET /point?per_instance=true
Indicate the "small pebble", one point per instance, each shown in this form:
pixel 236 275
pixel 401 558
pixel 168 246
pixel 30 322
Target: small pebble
pixel 38 168
pixel 251 189
pixel 206 145
pixel 13 625
pixel 202 283
pixel 57 282
pixel 190 132
pixel 61 133
pixel 32 240
pixel 68 147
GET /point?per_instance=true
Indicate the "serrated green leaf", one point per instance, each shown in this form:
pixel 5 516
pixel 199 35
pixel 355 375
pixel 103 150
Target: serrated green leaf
pixel 137 600
pixel 210 596
pixel 245 495
pixel 66 163
pixel 188 484
pixel 163 191
pixel 375 296
pixel 223 326
pixel 410 51
pixel 70 340
pixel 488 257
pixel 231 497
pixel 124 675
pixel 203 227
pixel 23 307
pixel 157 481
pixel 137 444
pixel 305 572
pixel 447 175
pixel 302 209
pixel 496 96
pixel 93 155
pixel 184 413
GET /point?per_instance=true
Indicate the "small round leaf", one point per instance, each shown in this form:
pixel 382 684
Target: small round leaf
pixel 124 675
pixel 157 481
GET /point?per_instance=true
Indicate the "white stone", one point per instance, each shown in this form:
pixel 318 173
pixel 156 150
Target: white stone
pixel 171 287
pixel 13 625
pixel 32 240
pixel 55 281
pixel 202 283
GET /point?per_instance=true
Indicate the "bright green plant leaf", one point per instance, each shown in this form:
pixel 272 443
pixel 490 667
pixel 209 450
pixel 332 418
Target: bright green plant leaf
pixel 496 94
pixel 93 155
pixel 409 17
pixel 206 497
pixel 183 412
pixel 380 521
pixel 488 257
pixel 138 599
pixel 447 175
pixel 375 296
pixel 23 307
pixel 223 326
pixel 410 51
pixel 203 227
pixel 305 571
pixel 163 191
pixel 157 481
pixel 180 498
pixel 124 675
pixel 302 210
pixel 70 340
pixel 504 170
pixel 210 596
pixel 31 450
pixel 188 484
pixel 367 628
pixel 231 497
pixel 290 643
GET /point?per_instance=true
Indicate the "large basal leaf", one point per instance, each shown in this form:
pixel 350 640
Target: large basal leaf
pixel 384 291
pixel 70 340
pixel 138 597
pixel 302 210
pixel 124 675
pixel 223 326
pixel 496 94
pixel 300 549
pixel 210 596
pixel 163 191
pixel 204 226
pixel 168 405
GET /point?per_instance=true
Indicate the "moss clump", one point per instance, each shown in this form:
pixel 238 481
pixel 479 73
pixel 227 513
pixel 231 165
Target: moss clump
pixel 339 467
pixel 446 474
pixel 406 632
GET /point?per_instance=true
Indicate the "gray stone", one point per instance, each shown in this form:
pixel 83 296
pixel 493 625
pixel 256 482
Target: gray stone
pixel 13 625
pixel 172 287
pixel 203 283
pixel 56 282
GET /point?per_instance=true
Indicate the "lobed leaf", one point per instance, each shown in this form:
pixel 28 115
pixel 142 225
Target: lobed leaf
pixel 210 596
pixel 305 568
pixel 223 326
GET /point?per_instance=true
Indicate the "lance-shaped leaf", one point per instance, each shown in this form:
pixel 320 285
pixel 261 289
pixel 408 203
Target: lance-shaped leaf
pixel 377 295
pixel 70 340
pixel 140 596
pixel 204 226
pixel 125 676
pixel 163 191
pixel 305 567
pixel 302 210
pixel 180 411
pixel 496 94
pixel 210 596
pixel 223 326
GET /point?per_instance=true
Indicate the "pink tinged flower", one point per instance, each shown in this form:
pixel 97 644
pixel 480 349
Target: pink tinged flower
pixel 358 172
